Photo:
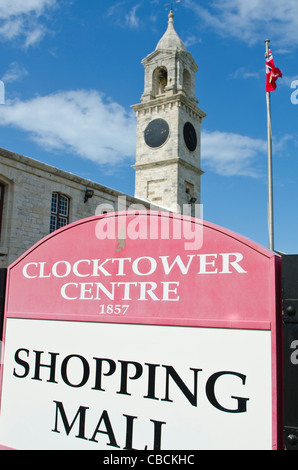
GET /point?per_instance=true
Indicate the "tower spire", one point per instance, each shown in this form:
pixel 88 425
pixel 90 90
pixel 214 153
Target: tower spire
pixel 168 164
pixel 170 39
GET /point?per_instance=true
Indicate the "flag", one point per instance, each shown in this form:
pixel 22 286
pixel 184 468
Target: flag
pixel 272 73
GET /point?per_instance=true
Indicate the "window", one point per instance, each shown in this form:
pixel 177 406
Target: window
pixel 187 82
pixel 160 81
pixel 189 189
pixel 59 211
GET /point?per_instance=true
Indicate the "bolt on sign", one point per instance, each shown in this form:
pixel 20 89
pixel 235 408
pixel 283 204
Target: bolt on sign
pixel 142 330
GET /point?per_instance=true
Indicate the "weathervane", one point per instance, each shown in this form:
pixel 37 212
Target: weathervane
pixel 167 5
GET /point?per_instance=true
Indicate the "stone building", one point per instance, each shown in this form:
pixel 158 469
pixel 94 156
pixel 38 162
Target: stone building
pixel 36 199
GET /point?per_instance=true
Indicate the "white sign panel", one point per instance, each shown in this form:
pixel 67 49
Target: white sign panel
pixel 80 385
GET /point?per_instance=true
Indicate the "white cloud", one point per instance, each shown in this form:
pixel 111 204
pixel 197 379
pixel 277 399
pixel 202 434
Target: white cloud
pixel 84 123
pixel 34 36
pixel 231 154
pixel 78 122
pixel 191 40
pixel 9 8
pixel 14 73
pixel 244 74
pixel 124 14
pixel 10 29
pixel 252 21
pixel 21 19
pixel 131 18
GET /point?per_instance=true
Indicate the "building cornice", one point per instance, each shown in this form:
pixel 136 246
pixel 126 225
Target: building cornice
pixel 164 101
pixel 169 161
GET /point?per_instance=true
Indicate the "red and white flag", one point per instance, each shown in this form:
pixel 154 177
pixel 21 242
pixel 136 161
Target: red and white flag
pixel 272 73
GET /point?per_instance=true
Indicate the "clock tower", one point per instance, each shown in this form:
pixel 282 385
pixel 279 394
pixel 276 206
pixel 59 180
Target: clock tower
pixel 168 153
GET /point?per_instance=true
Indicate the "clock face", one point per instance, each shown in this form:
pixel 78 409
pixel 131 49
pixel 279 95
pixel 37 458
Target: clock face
pixel 156 133
pixel 190 136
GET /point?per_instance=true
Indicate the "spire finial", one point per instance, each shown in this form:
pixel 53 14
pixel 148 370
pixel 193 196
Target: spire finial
pixel 169 6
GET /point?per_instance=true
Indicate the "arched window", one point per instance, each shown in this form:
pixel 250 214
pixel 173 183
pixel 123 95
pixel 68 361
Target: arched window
pixel 160 81
pixel 59 211
pixel 186 82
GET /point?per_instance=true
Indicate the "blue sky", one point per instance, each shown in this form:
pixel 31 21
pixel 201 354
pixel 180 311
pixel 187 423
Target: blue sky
pixel 72 69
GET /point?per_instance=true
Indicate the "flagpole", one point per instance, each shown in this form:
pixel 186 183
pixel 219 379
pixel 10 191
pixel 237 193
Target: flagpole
pixel 269 150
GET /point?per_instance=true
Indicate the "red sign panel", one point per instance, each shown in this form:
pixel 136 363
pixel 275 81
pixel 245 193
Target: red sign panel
pixel 171 323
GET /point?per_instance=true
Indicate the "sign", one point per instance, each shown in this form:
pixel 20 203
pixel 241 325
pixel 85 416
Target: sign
pixel 142 331
pixel 290 349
